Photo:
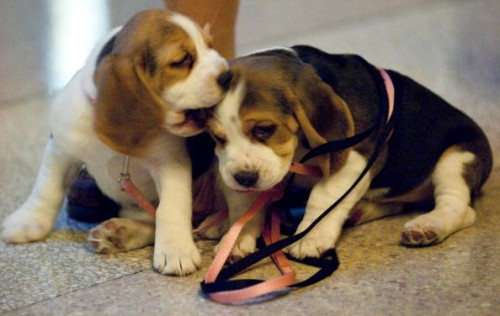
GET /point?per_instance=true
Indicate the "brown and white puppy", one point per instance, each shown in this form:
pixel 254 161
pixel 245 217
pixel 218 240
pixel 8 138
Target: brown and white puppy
pixel 134 96
pixel 283 102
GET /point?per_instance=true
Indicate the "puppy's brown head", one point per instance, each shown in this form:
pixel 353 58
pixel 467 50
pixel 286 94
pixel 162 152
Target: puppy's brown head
pixel 161 66
pixel 275 104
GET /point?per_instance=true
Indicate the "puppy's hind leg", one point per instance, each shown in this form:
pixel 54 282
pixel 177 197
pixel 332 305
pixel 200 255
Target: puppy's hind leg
pixel 34 219
pixel 452 196
pixel 366 211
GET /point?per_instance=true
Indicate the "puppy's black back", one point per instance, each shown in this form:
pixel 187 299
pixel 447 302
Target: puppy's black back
pixel 425 124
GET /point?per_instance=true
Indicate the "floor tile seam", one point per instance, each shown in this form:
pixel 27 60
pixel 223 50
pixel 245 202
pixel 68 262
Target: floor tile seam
pixel 83 289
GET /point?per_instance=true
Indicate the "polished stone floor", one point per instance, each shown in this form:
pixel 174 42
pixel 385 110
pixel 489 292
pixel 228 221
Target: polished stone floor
pixel 453 47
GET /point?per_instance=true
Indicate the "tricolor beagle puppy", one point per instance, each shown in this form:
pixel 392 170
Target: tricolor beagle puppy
pixel 283 102
pixel 135 96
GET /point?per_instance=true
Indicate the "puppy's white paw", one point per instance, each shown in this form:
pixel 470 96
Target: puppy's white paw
pixel 317 242
pixel 176 257
pixel 434 227
pixel 26 225
pixel 245 244
pixel 422 232
pixel 120 234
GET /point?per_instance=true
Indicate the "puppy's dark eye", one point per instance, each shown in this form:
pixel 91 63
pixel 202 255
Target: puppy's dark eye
pixel 186 61
pixel 263 132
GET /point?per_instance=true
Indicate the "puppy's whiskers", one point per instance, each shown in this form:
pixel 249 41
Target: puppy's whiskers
pixel 215 16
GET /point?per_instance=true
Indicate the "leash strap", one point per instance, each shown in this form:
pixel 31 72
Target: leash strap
pixel 243 290
pixel 219 217
pixel 219 287
pixel 128 186
pixel 263 198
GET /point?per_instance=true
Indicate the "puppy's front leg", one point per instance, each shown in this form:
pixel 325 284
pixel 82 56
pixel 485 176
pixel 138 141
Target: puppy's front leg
pixel 238 203
pixel 175 251
pixel 34 219
pixel 325 235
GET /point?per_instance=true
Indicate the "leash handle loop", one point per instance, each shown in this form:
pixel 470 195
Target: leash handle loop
pixel 230 238
pixel 244 290
pixel 254 288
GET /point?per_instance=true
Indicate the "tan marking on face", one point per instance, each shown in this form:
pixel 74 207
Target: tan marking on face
pixel 160 46
pixel 255 130
pixel 271 128
pixel 262 110
pixel 267 104
pixel 155 51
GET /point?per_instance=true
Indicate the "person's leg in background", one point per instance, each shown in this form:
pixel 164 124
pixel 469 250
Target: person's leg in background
pixel 220 14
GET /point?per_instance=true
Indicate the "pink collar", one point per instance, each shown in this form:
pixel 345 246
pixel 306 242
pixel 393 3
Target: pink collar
pixel 90 99
pixel 391 91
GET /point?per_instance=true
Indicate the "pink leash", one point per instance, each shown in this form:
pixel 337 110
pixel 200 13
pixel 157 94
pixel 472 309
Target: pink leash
pixel 128 186
pixel 270 235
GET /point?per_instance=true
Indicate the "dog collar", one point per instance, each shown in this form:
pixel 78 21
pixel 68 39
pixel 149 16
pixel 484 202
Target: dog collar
pixel 90 99
pixel 391 91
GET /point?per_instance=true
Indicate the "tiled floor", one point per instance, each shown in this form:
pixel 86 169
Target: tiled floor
pixel 451 46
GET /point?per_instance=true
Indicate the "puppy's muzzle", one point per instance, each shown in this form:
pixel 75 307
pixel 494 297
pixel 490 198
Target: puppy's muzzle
pixel 246 178
pixel 198 117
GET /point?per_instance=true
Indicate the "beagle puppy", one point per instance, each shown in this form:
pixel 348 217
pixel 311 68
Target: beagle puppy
pixel 136 95
pixel 283 102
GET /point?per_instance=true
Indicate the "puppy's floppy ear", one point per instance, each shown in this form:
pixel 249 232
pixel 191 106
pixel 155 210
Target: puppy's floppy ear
pixel 129 114
pixel 323 116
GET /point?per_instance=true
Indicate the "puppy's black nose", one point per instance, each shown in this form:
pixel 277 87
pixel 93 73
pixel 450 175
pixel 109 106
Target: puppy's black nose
pixel 224 79
pixel 246 178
